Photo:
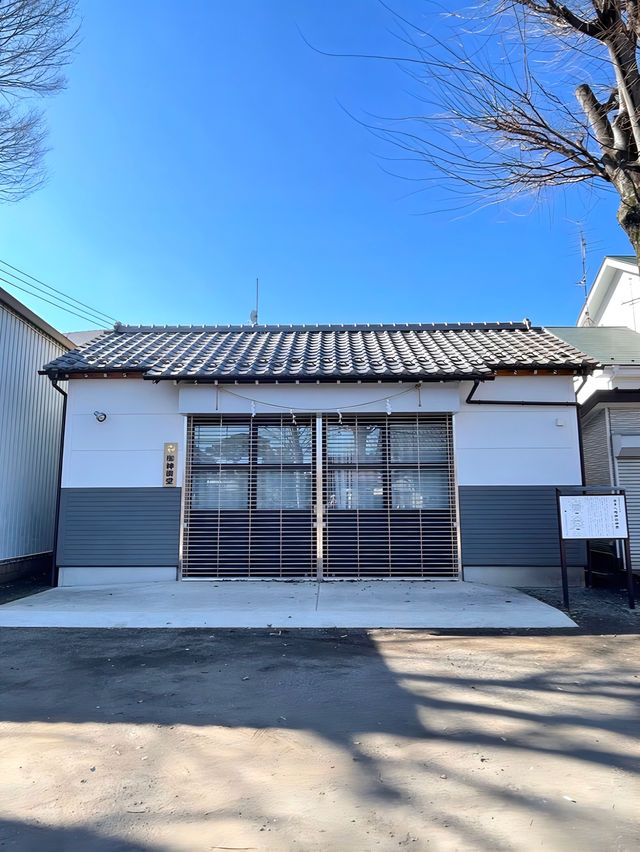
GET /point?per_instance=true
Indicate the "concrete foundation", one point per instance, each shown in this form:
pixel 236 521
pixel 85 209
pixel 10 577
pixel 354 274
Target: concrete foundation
pixel 263 604
pixel 522 576
pixel 110 575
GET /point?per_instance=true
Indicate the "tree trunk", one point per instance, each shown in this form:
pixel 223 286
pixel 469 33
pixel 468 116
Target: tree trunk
pixel 629 219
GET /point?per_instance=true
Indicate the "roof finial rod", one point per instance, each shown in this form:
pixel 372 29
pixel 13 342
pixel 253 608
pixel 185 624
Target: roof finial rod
pixel 253 318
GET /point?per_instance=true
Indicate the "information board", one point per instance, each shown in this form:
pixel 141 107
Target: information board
pixel 593 516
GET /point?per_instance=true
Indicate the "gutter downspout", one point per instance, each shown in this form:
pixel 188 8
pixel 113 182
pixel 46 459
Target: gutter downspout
pixel 54 565
pixel 476 384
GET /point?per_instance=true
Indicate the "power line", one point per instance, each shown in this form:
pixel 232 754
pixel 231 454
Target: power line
pixel 73 306
pixel 42 299
pixel 54 290
pixel 57 304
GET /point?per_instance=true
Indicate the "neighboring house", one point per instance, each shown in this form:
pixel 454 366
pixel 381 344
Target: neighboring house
pixel 344 451
pixel 614 298
pixel 610 397
pixel 30 430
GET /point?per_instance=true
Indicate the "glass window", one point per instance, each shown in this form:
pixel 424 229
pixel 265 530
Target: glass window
pixel 348 444
pixel 420 489
pixel 221 444
pixel 350 489
pixel 287 489
pixel 422 442
pixel 341 443
pixel 287 444
pixel 223 489
pixel 369 443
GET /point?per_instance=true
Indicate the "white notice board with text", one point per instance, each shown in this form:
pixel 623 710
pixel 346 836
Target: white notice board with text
pixel 593 516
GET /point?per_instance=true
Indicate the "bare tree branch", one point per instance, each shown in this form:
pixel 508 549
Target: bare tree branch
pixel 37 39
pixel 521 95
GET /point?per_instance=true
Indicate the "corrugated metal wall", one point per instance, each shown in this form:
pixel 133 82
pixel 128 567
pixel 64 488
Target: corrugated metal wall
pixel 629 477
pixel 625 420
pixel 597 458
pixel 30 420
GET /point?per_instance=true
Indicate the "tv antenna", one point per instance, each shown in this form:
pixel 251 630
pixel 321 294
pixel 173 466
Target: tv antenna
pixel 253 317
pixel 583 280
pixel 583 254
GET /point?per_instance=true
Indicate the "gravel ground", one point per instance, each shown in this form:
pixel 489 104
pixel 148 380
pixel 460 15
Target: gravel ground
pixel 596 610
pixel 323 740
pixel 317 740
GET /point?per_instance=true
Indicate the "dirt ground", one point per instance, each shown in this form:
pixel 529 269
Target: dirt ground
pixel 320 740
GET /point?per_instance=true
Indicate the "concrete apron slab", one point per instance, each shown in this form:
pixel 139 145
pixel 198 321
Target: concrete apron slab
pixel 260 603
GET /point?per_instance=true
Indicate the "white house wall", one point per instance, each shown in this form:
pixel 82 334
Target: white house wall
pixel 608 378
pixel 126 450
pixel 627 380
pixel 311 397
pixel 518 444
pixel 613 298
pixel 621 303
pixel 600 380
pixel 495 445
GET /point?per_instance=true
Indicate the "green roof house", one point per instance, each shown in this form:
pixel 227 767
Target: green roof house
pixel 608 331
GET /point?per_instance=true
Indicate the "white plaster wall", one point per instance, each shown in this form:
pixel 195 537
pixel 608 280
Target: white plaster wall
pixel 621 304
pixel 609 378
pixel 495 445
pixel 518 445
pixel 626 381
pixel 127 449
pixel 600 380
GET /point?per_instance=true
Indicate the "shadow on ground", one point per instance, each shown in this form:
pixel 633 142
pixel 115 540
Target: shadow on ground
pixel 42 838
pixel 404 710
pixel 23 587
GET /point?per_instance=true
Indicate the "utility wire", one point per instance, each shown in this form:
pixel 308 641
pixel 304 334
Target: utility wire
pixel 73 306
pixel 55 304
pixel 69 299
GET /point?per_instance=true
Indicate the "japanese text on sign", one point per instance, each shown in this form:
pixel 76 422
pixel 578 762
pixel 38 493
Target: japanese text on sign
pixel 170 468
pixel 591 516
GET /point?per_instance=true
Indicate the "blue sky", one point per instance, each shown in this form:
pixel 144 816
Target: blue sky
pixel 199 145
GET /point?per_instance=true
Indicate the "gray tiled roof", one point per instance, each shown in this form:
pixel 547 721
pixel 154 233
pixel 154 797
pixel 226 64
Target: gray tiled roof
pixel 307 352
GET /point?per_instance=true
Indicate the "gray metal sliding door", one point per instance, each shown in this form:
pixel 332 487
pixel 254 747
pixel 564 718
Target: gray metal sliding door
pixel 389 497
pixel 334 497
pixel 248 498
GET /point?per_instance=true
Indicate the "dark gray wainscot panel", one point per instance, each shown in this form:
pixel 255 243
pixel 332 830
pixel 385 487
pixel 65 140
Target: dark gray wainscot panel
pixel 513 525
pixel 119 526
